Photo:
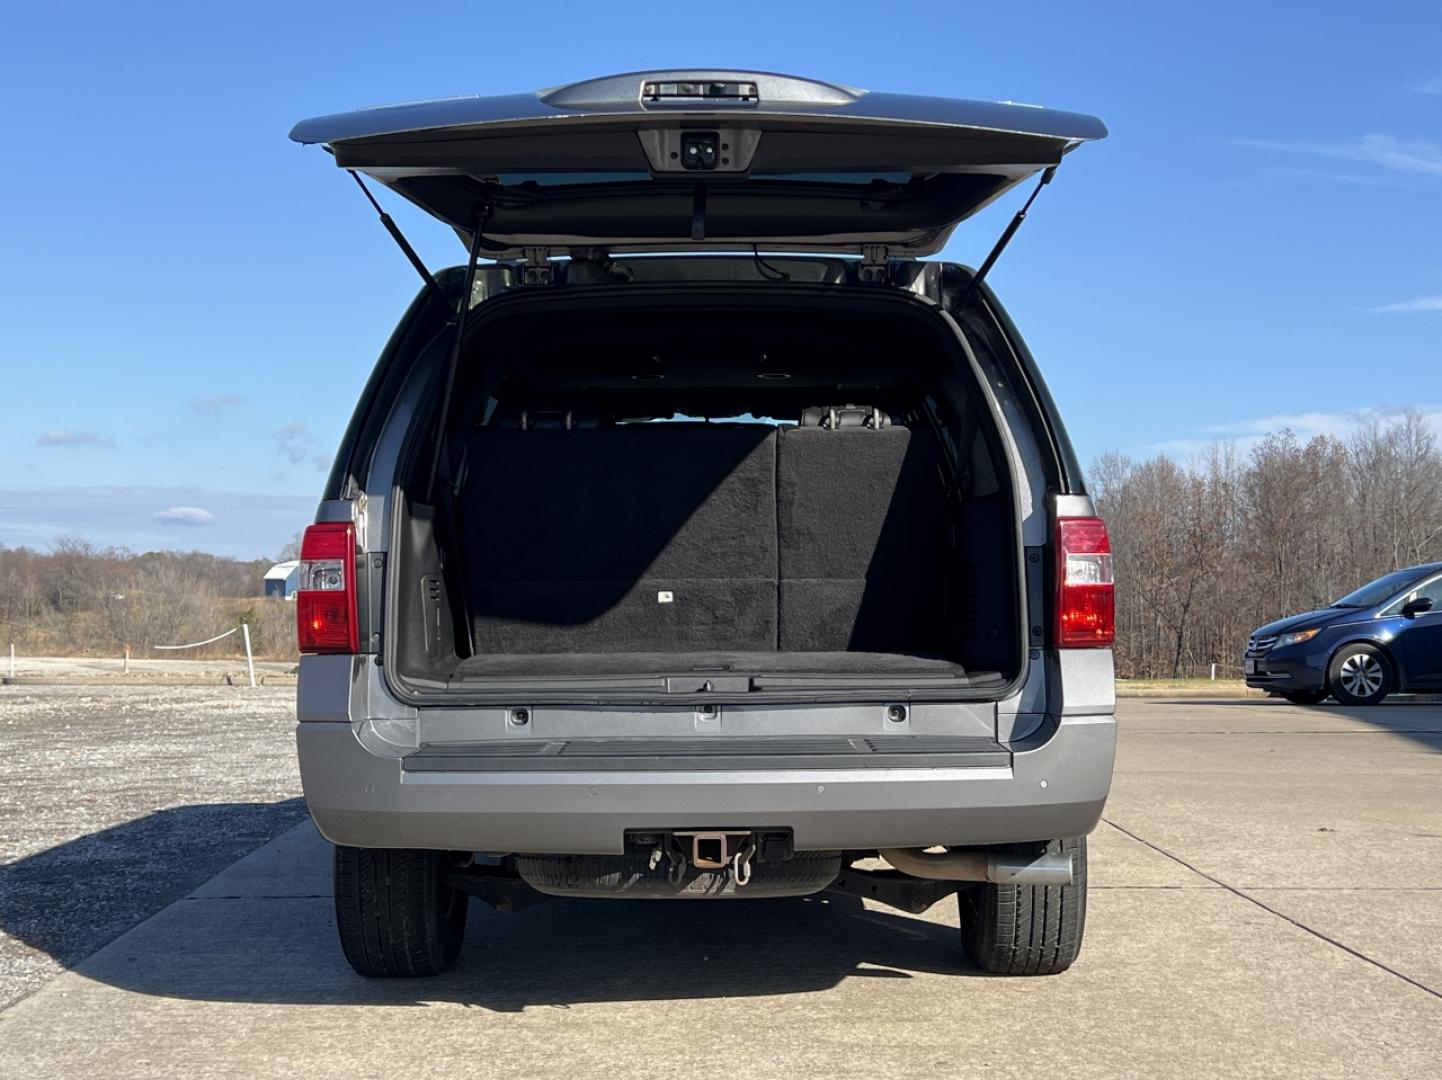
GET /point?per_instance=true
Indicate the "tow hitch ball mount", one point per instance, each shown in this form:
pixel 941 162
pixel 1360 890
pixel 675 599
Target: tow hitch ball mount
pixel 713 851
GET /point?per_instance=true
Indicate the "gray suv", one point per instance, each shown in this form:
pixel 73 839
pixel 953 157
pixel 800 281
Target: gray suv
pixel 697 538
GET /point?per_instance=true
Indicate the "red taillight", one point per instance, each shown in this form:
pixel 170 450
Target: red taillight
pixel 1086 612
pixel 325 599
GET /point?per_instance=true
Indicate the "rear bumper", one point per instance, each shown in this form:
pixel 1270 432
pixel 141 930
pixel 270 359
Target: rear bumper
pixel 362 799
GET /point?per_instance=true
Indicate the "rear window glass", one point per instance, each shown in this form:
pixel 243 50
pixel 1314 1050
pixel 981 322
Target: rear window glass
pixel 685 418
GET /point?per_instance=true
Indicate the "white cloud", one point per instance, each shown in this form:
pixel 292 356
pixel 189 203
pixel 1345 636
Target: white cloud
pixel 184 515
pixel 294 442
pixel 1385 151
pixel 248 525
pixel 1419 303
pixel 1332 176
pixel 1247 433
pixel 212 404
pixel 69 437
pixel 1429 86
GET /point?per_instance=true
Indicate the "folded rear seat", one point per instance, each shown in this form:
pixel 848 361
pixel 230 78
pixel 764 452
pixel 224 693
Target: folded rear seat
pixel 632 538
pixel 861 518
pixel 828 537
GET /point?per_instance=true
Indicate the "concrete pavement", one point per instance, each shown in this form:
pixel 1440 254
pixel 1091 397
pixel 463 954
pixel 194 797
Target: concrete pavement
pixel 1267 902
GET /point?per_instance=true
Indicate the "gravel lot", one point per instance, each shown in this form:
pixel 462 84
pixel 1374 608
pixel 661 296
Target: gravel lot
pixel 119 800
pixel 104 670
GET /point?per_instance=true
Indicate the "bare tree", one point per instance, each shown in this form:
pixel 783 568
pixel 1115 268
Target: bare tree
pixel 81 599
pixel 290 551
pixel 1209 550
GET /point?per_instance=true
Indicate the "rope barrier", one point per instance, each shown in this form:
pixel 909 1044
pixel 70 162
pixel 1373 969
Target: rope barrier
pixel 198 644
pixel 244 629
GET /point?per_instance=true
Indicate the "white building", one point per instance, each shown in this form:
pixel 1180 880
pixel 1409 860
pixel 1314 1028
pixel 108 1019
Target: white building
pixel 282 578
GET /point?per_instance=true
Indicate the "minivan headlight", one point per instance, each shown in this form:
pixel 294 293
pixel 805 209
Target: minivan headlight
pixel 1298 637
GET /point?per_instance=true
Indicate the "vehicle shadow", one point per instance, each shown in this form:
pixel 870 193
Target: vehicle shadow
pixel 69 900
pixel 264 932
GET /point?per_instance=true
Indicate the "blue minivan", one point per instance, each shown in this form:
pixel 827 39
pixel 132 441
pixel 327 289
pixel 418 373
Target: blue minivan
pixel 1383 638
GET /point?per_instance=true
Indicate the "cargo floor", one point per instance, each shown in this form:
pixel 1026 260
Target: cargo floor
pixel 721 663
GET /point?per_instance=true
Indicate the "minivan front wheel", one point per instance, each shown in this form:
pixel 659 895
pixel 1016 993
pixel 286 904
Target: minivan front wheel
pixel 396 915
pixel 1360 674
pixel 1027 929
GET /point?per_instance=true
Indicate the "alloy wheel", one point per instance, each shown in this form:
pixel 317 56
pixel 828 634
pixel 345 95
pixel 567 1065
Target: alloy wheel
pixel 1362 675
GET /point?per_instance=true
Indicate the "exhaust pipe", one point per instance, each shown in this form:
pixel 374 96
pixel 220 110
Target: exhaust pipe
pixel 999 867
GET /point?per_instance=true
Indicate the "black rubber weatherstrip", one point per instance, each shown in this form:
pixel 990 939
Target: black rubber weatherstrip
pixel 712 753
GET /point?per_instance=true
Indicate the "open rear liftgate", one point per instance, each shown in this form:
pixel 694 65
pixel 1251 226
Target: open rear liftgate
pixel 742 157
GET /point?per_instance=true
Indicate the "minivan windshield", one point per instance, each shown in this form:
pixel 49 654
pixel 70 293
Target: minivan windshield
pixel 1373 593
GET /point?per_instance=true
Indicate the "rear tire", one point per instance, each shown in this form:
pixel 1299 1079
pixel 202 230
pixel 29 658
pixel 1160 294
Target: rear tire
pixel 1360 674
pixel 1027 929
pixel 1305 697
pixel 396 916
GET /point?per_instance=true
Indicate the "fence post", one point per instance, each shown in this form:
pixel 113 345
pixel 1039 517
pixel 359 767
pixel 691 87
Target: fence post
pixel 249 660
pixel 1214 673
pixel 12 659
pixel 125 667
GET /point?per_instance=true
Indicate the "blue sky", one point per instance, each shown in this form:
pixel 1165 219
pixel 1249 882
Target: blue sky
pixel 192 302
